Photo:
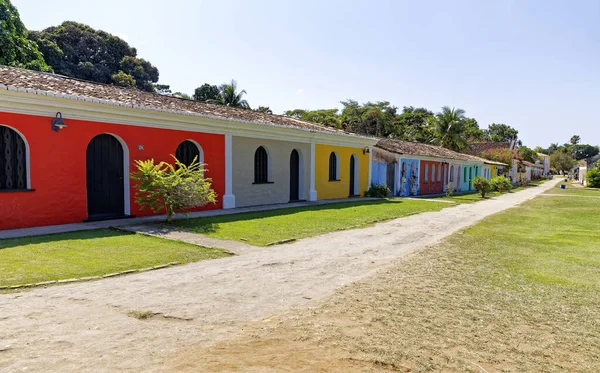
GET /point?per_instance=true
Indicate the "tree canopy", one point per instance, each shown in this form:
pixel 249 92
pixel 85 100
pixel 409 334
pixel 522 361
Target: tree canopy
pixel 500 133
pixel 450 128
pixel 79 51
pixel 231 97
pixel 561 161
pixel 15 48
pixel 207 92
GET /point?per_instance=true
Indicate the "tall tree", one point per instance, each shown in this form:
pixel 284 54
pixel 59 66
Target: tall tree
pixel 561 161
pixel 326 117
pixel 500 133
pixel 207 92
pixel 372 118
pixel 527 154
pixel 413 124
pixel 472 130
pixel 575 139
pixel 231 97
pixel 15 49
pixel 79 51
pixel 583 151
pixel 450 128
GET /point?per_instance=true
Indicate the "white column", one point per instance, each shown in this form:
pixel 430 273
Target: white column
pixel 312 195
pixel 228 198
pixel 370 165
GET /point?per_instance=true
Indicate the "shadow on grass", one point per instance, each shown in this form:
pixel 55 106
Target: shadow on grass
pixel 211 224
pixel 50 238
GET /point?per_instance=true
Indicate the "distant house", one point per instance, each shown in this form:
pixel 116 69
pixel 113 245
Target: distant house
pixel 411 169
pixel 585 165
pixel 544 160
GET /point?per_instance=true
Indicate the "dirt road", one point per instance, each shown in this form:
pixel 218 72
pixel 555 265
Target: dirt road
pixel 86 327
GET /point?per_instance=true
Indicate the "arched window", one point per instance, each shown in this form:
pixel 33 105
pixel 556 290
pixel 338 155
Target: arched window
pixel 451 174
pixel 334 167
pixel 261 166
pixel 187 151
pixel 13 160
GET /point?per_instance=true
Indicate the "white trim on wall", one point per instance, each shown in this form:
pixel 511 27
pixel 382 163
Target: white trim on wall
pixel 312 194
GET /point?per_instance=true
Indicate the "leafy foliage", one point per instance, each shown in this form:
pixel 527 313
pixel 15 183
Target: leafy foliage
pixel 15 49
pixel 231 97
pixel 500 133
pixel 450 190
pixel 450 128
pixel 482 185
pixel 79 51
pixel 264 109
pixel 171 188
pixel 503 155
pixel 583 151
pixel 576 139
pixel 527 154
pixel 500 184
pixel 124 80
pixel 593 178
pixel 414 124
pixel 561 161
pixel 326 117
pixel 207 92
pixel 378 191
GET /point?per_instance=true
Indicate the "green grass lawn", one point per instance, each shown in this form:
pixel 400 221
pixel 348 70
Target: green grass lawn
pixel 475 196
pixel 575 190
pixel 89 253
pixel 261 228
pixel 517 292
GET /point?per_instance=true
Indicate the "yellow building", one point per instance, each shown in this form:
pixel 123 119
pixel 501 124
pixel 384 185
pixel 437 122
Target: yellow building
pixel 341 171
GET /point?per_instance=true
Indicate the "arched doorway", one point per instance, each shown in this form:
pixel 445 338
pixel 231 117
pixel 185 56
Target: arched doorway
pixel 294 176
pixel 105 178
pixel 353 176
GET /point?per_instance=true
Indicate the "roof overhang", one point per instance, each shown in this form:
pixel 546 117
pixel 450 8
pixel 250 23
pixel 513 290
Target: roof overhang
pixel 42 103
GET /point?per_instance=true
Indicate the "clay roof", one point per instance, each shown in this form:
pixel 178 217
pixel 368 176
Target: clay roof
pixel 424 150
pixel 131 97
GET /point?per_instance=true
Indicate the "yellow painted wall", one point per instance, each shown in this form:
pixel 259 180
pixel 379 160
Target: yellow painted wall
pixel 339 189
pixel 493 170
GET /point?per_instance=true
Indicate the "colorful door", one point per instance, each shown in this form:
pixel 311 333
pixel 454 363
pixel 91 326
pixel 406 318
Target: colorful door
pixel 104 174
pixel 352 177
pixel 409 177
pixel 431 177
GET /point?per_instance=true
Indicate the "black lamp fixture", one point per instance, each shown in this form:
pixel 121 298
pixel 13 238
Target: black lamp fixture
pixel 58 123
pixel 366 150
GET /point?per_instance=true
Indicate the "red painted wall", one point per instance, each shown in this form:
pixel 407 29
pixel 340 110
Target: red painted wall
pixel 58 166
pixel 433 185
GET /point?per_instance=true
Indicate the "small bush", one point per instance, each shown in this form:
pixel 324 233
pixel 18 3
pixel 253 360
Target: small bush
pixel 593 178
pixel 501 184
pixel 482 185
pixel 450 189
pixel 378 191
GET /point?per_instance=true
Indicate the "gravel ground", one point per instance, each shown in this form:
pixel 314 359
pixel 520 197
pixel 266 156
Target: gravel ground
pixel 88 327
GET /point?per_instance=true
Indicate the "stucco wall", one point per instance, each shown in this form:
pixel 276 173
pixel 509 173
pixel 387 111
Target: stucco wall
pixel 57 166
pixel 339 189
pixel 278 191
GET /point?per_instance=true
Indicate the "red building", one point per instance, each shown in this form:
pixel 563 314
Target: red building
pixel 81 172
pixel 432 177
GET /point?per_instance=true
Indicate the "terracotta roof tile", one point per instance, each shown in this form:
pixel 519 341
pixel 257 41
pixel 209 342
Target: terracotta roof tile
pixel 28 79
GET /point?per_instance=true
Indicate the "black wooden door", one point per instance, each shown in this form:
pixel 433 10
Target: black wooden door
pixel 294 176
pixel 391 176
pixel 105 183
pixel 352 177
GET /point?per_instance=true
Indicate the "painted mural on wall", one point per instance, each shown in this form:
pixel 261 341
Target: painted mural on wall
pixel 409 177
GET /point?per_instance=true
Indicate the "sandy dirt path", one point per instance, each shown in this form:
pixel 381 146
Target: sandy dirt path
pixel 85 327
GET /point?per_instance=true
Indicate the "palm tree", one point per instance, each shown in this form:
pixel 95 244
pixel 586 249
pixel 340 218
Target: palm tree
pixel 231 97
pixel 449 125
pixel 575 139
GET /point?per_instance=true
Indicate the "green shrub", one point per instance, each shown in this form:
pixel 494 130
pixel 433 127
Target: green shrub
pixel 593 178
pixel 172 188
pixel 482 185
pixel 378 191
pixel 501 184
pixel 450 189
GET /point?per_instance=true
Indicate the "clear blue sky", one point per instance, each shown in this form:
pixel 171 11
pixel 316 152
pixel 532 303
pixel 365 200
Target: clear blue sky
pixel 534 65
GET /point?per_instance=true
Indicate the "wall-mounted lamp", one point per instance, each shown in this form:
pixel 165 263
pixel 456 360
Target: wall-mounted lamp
pixel 366 150
pixel 58 123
